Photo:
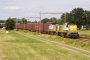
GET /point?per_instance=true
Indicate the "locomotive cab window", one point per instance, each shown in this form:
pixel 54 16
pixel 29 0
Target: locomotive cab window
pixel 67 25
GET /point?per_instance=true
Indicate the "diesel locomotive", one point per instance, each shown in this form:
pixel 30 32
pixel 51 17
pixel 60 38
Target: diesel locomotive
pixel 65 30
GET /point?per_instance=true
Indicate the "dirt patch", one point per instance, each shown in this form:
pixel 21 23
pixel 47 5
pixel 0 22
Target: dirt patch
pixel 2 31
pixel 84 39
pixel 7 37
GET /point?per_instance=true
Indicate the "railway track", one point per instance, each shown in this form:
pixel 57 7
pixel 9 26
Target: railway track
pixel 58 44
pixel 84 39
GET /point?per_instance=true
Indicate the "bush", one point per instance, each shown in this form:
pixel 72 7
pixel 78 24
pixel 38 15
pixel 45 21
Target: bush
pixel 9 24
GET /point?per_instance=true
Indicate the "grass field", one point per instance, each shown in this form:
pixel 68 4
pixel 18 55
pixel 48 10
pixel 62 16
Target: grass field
pixel 85 33
pixel 30 49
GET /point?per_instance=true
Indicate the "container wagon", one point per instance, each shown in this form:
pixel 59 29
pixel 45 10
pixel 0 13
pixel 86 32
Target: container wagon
pixel 36 27
pixel 28 26
pixel 24 26
pixel 45 27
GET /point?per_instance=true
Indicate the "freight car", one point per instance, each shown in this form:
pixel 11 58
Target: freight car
pixel 43 27
pixel 21 26
pixel 65 30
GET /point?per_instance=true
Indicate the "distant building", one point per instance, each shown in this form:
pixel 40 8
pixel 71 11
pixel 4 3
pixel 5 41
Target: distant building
pixel 2 25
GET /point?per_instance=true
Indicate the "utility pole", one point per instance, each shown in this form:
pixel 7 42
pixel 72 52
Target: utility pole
pixel 17 23
pixel 65 17
pixel 24 22
pixel 40 22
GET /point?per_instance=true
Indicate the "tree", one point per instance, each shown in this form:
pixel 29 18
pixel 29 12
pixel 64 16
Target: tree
pixel 9 24
pixel 78 14
pixel 59 21
pixel 45 20
pixel 87 19
pixel 54 20
pixel 35 21
pixel 23 21
pixel 75 16
pixel 63 18
pixel 1 26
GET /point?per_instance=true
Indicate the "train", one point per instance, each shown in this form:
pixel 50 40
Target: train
pixel 64 30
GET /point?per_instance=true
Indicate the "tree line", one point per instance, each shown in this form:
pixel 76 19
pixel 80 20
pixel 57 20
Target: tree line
pixel 2 21
pixel 77 16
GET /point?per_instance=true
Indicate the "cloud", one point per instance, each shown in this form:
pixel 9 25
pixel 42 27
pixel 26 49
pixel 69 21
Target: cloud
pixel 9 3
pixel 21 8
pixel 13 7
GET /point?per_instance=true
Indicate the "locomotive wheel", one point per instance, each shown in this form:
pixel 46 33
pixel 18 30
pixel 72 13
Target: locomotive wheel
pixel 62 35
pixel 51 33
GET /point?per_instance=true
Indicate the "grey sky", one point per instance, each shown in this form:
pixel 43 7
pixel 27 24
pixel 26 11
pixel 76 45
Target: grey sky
pixel 21 8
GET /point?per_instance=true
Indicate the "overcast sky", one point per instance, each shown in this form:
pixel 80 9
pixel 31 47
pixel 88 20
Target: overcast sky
pixel 21 8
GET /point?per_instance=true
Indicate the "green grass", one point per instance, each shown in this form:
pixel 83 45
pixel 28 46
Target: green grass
pixel 84 33
pixel 20 39
pixel 30 49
